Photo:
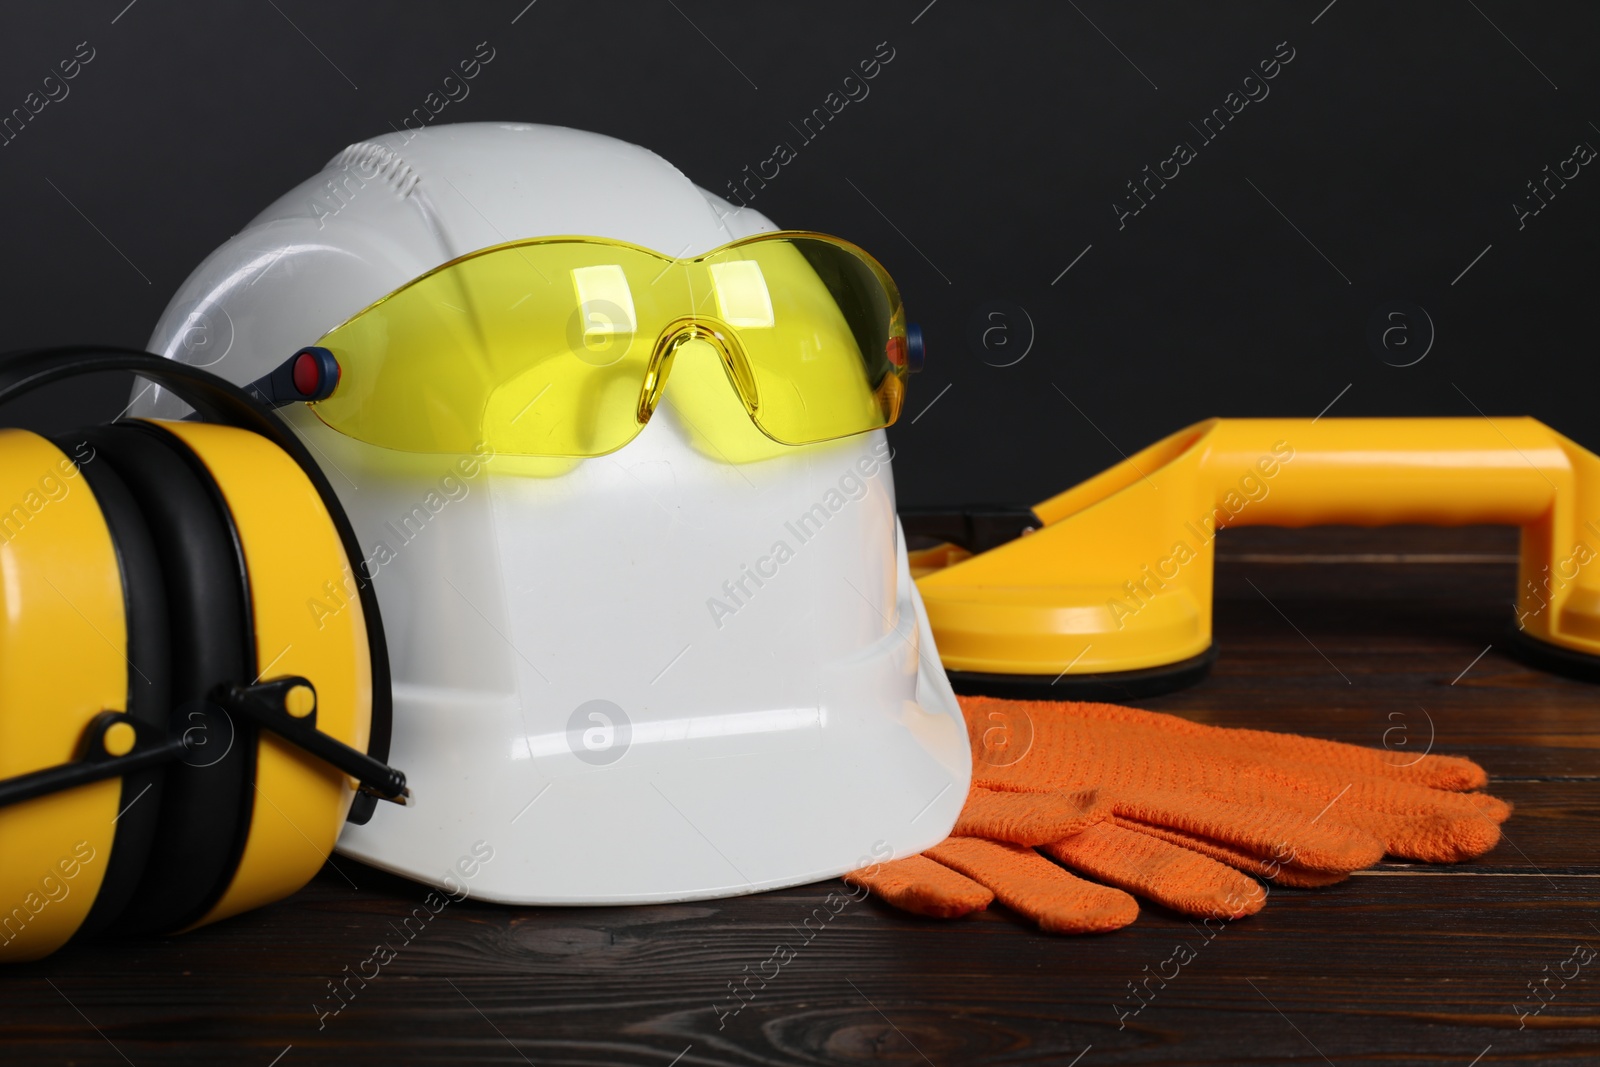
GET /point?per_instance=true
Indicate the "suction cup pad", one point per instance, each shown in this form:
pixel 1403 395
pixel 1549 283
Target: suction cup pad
pixel 1115 686
pixel 1552 658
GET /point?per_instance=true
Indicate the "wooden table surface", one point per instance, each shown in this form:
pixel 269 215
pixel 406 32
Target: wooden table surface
pixel 1341 633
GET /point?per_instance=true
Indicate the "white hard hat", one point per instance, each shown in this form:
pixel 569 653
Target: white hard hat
pixel 689 668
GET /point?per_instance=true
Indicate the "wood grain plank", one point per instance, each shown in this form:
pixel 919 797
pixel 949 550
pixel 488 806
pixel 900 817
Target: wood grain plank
pixel 1405 964
pixel 1380 970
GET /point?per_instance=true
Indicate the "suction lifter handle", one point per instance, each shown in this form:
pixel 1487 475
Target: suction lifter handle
pixel 1381 472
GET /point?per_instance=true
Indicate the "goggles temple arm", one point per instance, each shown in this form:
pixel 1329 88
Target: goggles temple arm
pixel 309 375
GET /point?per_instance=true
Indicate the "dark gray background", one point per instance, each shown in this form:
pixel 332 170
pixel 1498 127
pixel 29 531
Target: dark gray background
pixel 986 158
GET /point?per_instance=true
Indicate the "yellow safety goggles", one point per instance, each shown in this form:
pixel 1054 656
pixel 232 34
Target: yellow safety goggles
pixel 561 346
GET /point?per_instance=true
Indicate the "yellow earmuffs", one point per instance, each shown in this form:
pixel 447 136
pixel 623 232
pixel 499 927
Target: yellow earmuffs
pixel 180 737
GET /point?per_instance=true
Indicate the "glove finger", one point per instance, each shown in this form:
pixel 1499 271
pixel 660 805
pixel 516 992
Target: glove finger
pixel 1029 818
pixel 1031 885
pixel 1413 821
pixel 1273 869
pixel 1403 799
pixel 1314 786
pixel 1158 870
pixel 1454 773
pixel 919 885
pixel 1431 835
pixel 1261 829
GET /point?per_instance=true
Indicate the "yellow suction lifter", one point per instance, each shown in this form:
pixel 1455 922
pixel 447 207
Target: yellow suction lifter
pixel 1104 591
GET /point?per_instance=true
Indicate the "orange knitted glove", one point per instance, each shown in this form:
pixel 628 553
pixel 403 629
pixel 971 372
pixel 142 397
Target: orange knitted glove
pixel 1174 811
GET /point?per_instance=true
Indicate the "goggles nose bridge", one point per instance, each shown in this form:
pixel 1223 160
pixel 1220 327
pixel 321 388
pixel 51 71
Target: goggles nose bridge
pixel 720 337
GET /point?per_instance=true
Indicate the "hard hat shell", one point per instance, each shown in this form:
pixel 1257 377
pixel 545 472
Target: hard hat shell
pixel 695 667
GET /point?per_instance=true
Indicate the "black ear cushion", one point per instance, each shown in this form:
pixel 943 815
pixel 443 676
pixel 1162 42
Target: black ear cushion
pixel 149 652
pixel 208 798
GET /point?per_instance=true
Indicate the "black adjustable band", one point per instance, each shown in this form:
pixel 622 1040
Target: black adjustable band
pixel 151 748
pixel 976 528
pixel 272 706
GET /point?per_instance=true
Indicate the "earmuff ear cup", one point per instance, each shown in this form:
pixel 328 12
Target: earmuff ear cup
pixel 149 695
pixel 63 660
pixel 205 558
pixel 307 621
pixel 207 797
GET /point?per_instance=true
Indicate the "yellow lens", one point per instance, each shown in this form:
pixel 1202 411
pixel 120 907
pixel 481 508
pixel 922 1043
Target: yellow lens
pixel 532 349
pixel 545 347
pixel 813 318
